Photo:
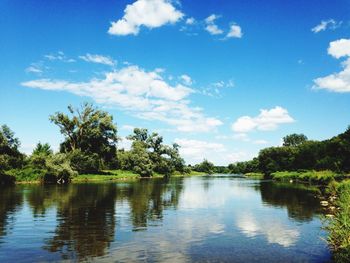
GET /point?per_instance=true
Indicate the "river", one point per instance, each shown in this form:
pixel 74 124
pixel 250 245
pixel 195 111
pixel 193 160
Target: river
pixel 216 218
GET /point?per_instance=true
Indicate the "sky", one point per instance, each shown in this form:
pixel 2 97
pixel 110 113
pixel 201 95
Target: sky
pixel 223 79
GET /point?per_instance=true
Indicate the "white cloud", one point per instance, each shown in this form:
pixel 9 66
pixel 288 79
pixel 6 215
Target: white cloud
pixel 235 31
pixel 211 27
pixel 339 48
pixel 186 79
pixel 128 127
pixel 337 82
pixel 99 59
pixel 265 121
pixel 260 142
pixel 34 69
pixel 59 56
pixel 190 21
pixel 124 143
pixel 148 13
pixel 144 94
pixel 195 149
pixel 326 24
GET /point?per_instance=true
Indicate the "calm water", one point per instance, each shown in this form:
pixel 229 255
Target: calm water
pixel 211 219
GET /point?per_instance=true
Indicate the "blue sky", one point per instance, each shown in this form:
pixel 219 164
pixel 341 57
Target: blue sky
pixel 223 79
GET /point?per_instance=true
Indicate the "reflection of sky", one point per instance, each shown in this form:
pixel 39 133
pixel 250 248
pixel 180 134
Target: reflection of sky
pixel 217 218
pixel 225 217
pixel 271 228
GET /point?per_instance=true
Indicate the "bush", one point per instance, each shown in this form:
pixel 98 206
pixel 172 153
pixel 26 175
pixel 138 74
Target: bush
pixel 83 162
pixel 59 169
pixel 339 226
pixel 28 173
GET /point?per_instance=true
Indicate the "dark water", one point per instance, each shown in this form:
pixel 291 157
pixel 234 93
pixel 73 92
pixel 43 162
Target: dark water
pixel 198 219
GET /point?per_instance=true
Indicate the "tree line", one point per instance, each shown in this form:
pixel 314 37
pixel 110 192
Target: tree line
pixel 299 153
pixel 89 146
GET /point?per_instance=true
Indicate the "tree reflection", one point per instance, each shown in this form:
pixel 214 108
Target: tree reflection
pixel 86 216
pixel 148 198
pixel 11 199
pixel 86 213
pixel 299 200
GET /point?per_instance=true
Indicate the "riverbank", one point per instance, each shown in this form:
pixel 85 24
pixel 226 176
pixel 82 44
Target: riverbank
pixel 335 192
pixel 33 177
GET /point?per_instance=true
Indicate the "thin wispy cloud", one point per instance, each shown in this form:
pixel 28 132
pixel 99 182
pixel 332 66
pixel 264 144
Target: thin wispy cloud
pixel 145 13
pixel 59 56
pixel 99 59
pixel 325 25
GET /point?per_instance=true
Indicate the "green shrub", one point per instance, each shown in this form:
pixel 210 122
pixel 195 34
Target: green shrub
pixel 339 226
pixel 84 163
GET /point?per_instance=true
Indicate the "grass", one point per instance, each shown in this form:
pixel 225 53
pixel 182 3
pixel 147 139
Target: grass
pixel 315 177
pixel 339 226
pixel 27 174
pixel 255 175
pixel 120 175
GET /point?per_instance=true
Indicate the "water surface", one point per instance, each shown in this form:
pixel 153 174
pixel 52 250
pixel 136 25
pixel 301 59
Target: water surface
pixel 195 219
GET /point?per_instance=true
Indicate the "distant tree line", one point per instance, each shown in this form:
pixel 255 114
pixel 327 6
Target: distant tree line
pixel 299 153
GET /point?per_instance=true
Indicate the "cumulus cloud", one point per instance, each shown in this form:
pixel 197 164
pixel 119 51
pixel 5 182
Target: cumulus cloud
pixel 148 13
pixel 211 27
pixel 99 59
pixel 326 24
pixel 144 94
pixel 337 82
pixel 267 120
pixel 196 149
pixel 235 31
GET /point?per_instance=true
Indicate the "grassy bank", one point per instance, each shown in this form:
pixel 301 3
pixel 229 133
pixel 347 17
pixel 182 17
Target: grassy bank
pixel 30 176
pixel 313 177
pixel 254 175
pixel 339 225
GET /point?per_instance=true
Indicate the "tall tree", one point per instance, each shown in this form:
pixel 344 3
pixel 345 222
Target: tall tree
pixel 88 130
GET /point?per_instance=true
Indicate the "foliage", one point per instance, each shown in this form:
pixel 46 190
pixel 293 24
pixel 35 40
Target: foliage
pixel 148 154
pixel 255 175
pixel 83 162
pixel 205 166
pixel 244 167
pixel 39 156
pixel 294 139
pixel 6 179
pixel 89 130
pixel 297 153
pixel 140 159
pixel 59 169
pixel 322 177
pixel 339 226
pixel 10 157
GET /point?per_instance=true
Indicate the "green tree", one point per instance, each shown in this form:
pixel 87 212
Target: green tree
pixel 294 139
pixel 10 157
pixel 88 130
pixel 141 161
pixel 205 167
